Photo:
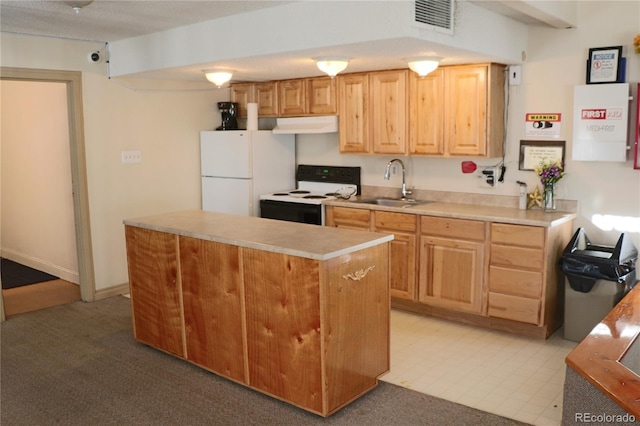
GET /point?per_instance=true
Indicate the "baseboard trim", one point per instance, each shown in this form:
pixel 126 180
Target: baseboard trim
pixel 112 291
pixel 42 265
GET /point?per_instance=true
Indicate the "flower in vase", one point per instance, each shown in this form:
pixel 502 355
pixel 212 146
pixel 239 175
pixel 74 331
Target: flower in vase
pixel 549 171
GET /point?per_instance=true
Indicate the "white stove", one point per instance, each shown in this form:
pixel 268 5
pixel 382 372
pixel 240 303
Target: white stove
pixel 313 193
pixel 315 184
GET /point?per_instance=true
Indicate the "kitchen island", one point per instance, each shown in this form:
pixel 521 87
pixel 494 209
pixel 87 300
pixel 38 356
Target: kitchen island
pixel 298 312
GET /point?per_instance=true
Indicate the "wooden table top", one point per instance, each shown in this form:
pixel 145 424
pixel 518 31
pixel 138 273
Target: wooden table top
pixel 598 357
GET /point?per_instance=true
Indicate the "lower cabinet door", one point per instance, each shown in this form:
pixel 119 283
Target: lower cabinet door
pixel 451 273
pixel 514 308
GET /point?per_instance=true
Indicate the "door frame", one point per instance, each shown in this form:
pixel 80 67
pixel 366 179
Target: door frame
pixel 79 183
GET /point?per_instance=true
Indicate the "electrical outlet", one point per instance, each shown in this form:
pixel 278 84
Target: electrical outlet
pixel 130 157
pixel 394 169
pixel 488 177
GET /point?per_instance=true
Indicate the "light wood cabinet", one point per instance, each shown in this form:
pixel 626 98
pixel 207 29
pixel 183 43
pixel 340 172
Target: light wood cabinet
pixel 242 94
pixel 353 109
pixel 426 113
pixel 373 112
pixel 287 98
pixel 321 93
pixel 516 272
pixel 348 218
pixel 458 111
pixel 264 94
pixel 292 98
pixel 314 333
pixel 451 263
pixel 403 252
pixel 495 275
pixel 389 108
pixel 471 113
pixel 403 248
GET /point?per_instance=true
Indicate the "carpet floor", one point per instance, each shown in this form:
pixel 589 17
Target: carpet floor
pixel 78 364
pixel 16 275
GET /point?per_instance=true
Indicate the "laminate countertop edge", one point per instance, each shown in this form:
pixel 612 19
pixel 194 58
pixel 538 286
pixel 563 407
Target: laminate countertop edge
pixel 533 217
pixel 291 238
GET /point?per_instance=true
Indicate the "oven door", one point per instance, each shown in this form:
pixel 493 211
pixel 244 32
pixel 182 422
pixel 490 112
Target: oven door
pixel 292 212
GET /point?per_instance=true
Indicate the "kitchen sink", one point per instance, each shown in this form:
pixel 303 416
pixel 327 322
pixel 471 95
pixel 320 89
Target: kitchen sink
pixel 391 202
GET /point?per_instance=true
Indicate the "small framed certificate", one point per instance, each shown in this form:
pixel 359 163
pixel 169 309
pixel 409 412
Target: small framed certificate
pixel 604 65
pixel 532 152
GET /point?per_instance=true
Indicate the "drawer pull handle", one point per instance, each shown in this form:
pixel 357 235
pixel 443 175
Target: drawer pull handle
pixel 358 275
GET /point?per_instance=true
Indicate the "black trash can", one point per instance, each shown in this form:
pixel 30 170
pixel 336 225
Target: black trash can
pixel 597 278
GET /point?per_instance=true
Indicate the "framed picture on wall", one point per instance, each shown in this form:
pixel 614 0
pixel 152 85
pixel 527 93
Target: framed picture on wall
pixel 604 65
pixel 636 155
pixel 532 152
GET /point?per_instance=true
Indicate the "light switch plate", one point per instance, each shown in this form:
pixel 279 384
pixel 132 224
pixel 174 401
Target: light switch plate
pixel 130 157
pixel 515 75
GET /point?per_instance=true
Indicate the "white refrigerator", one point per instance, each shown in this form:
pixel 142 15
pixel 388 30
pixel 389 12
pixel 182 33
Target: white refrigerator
pixel 237 166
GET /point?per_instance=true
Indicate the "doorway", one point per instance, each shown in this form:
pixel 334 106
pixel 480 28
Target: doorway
pixel 73 83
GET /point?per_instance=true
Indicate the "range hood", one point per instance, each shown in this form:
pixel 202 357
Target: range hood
pixel 314 124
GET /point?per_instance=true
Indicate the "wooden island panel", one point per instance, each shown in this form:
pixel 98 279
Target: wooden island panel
pixel 356 313
pixel 155 289
pixel 213 302
pixel 283 326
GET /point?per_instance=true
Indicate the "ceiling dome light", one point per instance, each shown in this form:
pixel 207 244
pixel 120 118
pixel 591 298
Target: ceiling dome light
pixel 218 77
pixel 331 65
pixel 77 5
pixel 423 65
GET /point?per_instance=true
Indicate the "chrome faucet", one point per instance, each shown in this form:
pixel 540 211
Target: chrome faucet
pixel 387 173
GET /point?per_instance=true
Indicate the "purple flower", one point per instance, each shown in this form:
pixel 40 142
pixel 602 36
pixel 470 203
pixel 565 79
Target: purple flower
pixel 549 171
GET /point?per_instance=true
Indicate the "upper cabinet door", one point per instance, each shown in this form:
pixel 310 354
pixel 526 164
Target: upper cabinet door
pixel 353 107
pixel 389 129
pixel 466 105
pixel 292 97
pixel 426 115
pixel 321 95
pixel 266 96
pixel 475 105
pixel 242 94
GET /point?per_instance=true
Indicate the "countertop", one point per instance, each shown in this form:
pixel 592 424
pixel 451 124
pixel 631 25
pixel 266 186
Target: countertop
pixel 533 217
pixel 296 239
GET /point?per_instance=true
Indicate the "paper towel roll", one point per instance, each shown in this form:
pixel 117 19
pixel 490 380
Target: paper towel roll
pixel 252 116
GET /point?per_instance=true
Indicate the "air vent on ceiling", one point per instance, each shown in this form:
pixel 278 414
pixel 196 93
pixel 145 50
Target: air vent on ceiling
pixel 436 14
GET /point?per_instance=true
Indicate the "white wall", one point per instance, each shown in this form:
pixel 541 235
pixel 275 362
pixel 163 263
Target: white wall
pixel 555 64
pixel 37 203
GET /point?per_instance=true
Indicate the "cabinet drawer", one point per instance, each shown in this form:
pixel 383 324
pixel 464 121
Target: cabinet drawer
pixel 517 256
pixel 357 217
pixel 518 235
pixel 515 281
pixel 395 221
pixel 453 228
pixel 514 308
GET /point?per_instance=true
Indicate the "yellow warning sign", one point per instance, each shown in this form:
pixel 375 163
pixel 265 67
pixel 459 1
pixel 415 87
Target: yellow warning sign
pixel 545 117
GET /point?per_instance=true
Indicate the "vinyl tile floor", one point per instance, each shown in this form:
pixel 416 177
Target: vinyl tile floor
pixel 516 377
